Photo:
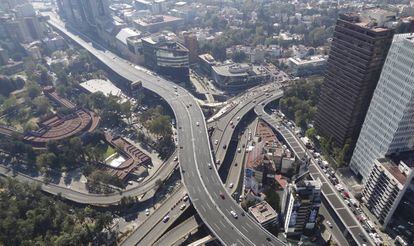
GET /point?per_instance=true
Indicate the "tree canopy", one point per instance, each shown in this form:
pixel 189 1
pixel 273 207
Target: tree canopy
pixel 28 217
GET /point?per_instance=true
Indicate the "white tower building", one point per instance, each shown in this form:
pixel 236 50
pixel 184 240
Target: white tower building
pixel 389 124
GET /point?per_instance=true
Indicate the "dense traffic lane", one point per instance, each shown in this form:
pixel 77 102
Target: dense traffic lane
pixel 328 191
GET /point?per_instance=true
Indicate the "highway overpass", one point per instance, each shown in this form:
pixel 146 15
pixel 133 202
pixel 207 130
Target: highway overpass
pixel 203 184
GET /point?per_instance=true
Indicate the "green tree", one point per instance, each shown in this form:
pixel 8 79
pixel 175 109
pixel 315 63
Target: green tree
pixel 239 56
pixel 33 90
pixel 41 105
pixel 161 126
pixel 46 161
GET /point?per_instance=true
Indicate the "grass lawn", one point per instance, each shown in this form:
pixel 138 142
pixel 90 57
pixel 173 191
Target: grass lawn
pixel 109 151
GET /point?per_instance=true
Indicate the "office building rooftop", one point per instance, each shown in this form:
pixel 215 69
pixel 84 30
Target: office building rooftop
pixel 263 212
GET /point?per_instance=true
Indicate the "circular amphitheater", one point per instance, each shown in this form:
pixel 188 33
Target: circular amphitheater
pixel 59 127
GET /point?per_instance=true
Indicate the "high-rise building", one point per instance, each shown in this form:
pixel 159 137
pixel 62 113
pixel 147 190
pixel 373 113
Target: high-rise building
pixel 4 57
pixel 22 25
pixel 85 14
pixel 389 125
pixel 386 186
pixel 300 206
pixel 359 47
pixel 191 43
pixel 18 31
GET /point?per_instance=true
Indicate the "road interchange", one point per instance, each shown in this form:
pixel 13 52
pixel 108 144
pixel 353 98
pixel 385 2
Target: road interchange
pixel 203 184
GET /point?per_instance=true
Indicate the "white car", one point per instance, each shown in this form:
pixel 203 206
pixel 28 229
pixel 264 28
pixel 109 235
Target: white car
pixel 182 207
pixel 197 123
pixel 140 179
pixel 176 158
pixel 339 187
pixel 130 182
pixel 147 212
pixel 231 185
pixel 209 165
pixel 234 214
pixel 329 223
pixel 216 142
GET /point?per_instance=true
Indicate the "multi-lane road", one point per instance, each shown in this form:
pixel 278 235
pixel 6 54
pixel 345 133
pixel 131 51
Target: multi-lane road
pixel 352 226
pixel 154 226
pixel 203 184
pixel 142 191
pixel 224 126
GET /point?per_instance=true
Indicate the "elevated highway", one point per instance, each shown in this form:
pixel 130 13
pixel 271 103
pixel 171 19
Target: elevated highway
pixel 224 129
pixel 203 184
pixel 142 191
pixel 178 234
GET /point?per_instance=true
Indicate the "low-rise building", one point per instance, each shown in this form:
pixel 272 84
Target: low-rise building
pixel 125 41
pixel 206 62
pixel 307 66
pixel 260 160
pixel 54 43
pixel 264 214
pixel 386 186
pixel 236 77
pixel 166 56
pixel 157 23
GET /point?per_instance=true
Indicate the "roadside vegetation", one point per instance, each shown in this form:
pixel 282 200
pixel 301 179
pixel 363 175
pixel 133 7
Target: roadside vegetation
pixel 300 100
pixel 29 217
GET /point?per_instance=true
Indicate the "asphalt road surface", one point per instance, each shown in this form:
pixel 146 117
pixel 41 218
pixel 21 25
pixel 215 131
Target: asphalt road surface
pixel 203 184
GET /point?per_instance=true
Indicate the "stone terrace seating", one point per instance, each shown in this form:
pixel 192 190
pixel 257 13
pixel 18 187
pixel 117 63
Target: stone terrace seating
pixel 56 128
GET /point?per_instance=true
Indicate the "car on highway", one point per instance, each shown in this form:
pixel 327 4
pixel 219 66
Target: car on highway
pixel 231 185
pixel 339 187
pixel 166 218
pixel 222 195
pixel 197 123
pixel 209 165
pixel 216 142
pixel 234 214
pixel 329 223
